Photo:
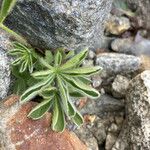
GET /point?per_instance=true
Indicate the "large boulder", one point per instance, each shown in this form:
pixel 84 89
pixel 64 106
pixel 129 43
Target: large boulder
pixel 54 23
pixel 17 132
pixel 135 133
pixel 4 64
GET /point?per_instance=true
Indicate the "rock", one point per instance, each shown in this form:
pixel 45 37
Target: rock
pixel 136 129
pixel 105 103
pixel 114 63
pixel 68 23
pixel 113 128
pixel 4 64
pixel 87 63
pixel 91 54
pixel 122 45
pixel 96 81
pixel 110 141
pixel 120 86
pixel 142 11
pixel 17 132
pixel 117 25
pixel 87 137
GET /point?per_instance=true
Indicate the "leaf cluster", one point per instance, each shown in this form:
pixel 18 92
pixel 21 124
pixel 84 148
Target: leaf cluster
pixel 56 78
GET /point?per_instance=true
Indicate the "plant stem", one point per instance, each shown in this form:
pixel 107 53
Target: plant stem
pixel 14 34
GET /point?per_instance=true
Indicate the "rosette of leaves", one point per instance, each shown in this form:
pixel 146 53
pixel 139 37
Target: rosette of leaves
pixel 61 79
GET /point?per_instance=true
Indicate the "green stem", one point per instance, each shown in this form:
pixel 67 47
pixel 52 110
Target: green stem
pixel 14 34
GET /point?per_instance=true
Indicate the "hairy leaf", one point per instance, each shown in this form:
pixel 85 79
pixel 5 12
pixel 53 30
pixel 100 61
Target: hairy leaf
pixel 7 6
pixel 78 119
pixel 84 71
pixel 76 60
pixel 58 120
pixel 40 110
pixel 58 58
pixel 83 88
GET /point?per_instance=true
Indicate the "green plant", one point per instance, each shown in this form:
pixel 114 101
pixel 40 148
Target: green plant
pixel 6 8
pixel 57 78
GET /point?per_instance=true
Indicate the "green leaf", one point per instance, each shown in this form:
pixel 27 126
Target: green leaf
pixel 19 86
pixel 7 6
pixel 76 94
pixel 82 88
pixel 78 119
pixel 49 57
pixel 58 58
pixel 35 89
pixel 40 110
pixel 44 63
pixel 47 92
pixel 84 79
pixel 70 54
pixel 41 74
pixel 76 60
pixel 63 93
pixel 84 71
pixel 58 120
pixel 71 109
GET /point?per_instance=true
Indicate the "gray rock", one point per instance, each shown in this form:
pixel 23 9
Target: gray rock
pixel 110 141
pixel 88 63
pixel 135 133
pixel 104 104
pixel 91 54
pixel 4 65
pixel 120 86
pixel 53 23
pixel 114 63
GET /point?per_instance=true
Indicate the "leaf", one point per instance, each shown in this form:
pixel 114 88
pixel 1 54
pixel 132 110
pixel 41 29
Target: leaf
pixel 84 71
pixel 40 110
pixel 35 89
pixel 7 6
pixel 76 60
pixel 78 119
pixel 58 120
pixel 71 109
pixel 76 94
pixel 41 74
pixel 44 63
pixel 48 57
pixel 47 92
pixel 58 58
pixel 63 93
pixel 70 54
pixel 84 79
pixel 19 86
pixel 82 88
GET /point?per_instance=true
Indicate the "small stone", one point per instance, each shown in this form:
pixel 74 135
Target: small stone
pixel 119 120
pixel 122 45
pixel 96 81
pixel 117 25
pixel 89 118
pixel 120 86
pixel 110 141
pixel 113 128
pixel 91 54
pixel 87 63
pixel 114 63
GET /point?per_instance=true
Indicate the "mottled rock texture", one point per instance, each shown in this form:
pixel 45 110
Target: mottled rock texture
pixel 114 63
pixel 17 132
pixel 54 23
pixel 135 133
pixel 4 64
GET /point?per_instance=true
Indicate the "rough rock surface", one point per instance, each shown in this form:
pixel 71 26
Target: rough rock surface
pixel 17 132
pixel 120 86
pixel 4 65
pixel 54 23
pixel 114 63
pixel 135 133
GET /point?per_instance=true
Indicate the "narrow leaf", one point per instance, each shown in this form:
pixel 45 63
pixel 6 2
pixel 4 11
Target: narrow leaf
pixel 76 60
pixel 47 92
pixel 58 58
pixel 35 89
pixel 48 56
pixel 82 88
pixel 7 6
pixel 58 120
pixel 40 110
pixel 78 119
pixel 41 74
pixel 87 71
